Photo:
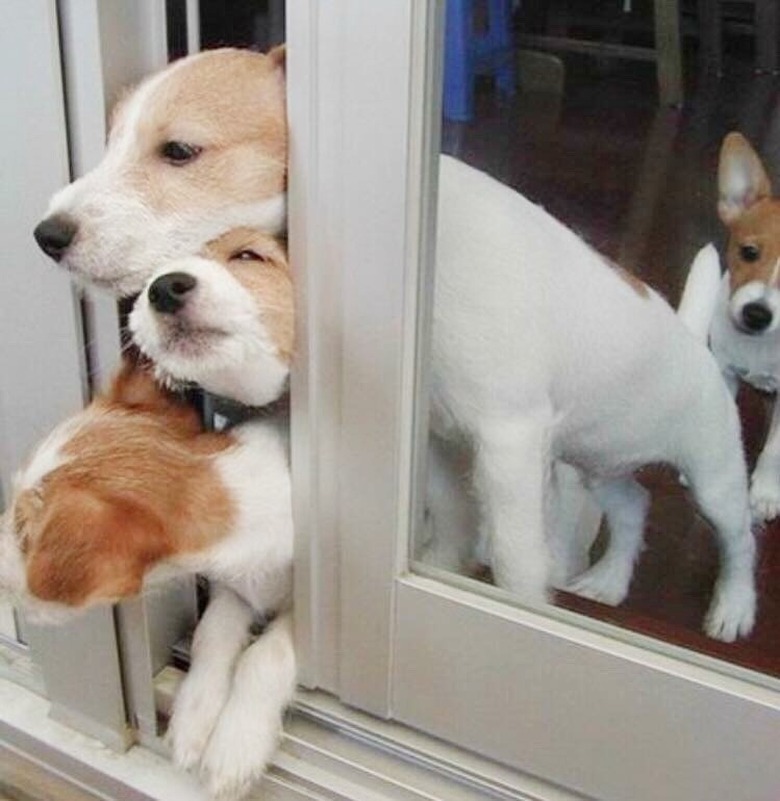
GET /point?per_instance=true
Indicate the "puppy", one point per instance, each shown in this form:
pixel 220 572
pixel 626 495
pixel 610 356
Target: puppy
pixel 547 353
pixel 130 493
pixel 193 151
pixel 223 319
pixel 740 313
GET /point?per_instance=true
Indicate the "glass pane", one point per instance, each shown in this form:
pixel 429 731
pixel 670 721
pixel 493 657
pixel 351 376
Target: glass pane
pixel 585 453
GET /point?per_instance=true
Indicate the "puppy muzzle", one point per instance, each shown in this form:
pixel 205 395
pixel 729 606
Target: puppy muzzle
pixel 755 318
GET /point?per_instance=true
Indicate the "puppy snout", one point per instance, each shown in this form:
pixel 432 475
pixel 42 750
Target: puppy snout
pixel 756 317
pixel 54 235
pixel 168 293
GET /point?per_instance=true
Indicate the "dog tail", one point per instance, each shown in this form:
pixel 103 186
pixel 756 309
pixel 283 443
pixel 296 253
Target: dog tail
pixel 700 294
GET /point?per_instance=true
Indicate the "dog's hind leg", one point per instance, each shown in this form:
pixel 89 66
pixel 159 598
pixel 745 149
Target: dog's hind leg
pixel 718 477
pixel 625 503
pixel 765 481
pixel 511 474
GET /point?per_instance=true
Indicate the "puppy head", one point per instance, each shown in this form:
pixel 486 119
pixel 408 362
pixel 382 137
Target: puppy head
pixel 194 150
pixel 111 493
pixel 752 217
pixel 223 319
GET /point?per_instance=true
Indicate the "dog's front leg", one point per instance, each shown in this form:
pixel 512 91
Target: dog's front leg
pixel 765 481
pixel 221 636
pixel 511 475
pixel 248 729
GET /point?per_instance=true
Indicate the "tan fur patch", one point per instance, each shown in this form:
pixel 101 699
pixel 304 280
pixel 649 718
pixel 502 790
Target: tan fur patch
pixel 139 486
pixel 269 281
pixel 759 227
pixel 229 103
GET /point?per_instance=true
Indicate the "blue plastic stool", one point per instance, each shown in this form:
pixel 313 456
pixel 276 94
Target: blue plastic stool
pixel 468 54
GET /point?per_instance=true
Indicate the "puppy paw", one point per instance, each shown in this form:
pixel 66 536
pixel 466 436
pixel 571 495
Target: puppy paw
pixel 732 612
pixel 765 496
pixel 237 753
pixel 196 709
pixel 604 582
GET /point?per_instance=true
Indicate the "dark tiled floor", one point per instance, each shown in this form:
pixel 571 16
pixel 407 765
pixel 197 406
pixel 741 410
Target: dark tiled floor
pixel 638 182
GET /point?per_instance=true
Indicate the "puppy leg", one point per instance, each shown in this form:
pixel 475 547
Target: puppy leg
pixel 625 503
pixel 249 726
pixel 511 475
pixel 716 469
pixel 222 634
pixel 765 481
pixel 574 523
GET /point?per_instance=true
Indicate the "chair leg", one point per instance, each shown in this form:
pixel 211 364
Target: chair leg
pixel 458 66
pixel 668 49
pixel 766 24
pixel 500 23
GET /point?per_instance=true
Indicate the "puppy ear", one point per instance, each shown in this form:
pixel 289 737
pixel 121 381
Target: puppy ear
pixel 278 55
pixel 742 180
pixel 90 549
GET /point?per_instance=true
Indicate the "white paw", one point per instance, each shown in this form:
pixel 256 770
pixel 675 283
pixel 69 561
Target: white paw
pixel 732 612
pixel 196 709
pixel 238 751
pixel 604 582
pixel 765 495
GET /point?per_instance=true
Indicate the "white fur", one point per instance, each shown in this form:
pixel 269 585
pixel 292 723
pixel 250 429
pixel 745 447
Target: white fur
pixel 122 239
pixel 753 358
pixel 228 713
pixel 237 358
pixel 541 352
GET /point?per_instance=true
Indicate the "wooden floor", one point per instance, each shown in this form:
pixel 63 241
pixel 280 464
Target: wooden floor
pixel 638 182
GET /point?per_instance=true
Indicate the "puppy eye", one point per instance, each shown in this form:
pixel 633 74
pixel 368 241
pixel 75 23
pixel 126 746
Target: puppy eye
pixel 247 255
pixel 179 152
pixel 749 253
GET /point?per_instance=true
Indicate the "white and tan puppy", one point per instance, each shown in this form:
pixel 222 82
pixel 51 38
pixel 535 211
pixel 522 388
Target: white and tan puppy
pixel 223 319
pixel 193 151
pixel 739 313
pixel 129 493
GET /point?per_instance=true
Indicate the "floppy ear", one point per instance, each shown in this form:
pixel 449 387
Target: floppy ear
pixel 90 549
pixel 742 180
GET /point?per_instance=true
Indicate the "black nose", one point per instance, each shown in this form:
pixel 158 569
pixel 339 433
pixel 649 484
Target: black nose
pixel 756 317
pixel 54 235
pixel 167 293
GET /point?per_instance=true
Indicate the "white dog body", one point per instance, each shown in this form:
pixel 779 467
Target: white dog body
pixel 756 361
pixel 542 351
pixel 739 313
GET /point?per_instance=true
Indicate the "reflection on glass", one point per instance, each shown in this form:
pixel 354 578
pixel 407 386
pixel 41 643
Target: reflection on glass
pixel 584 448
